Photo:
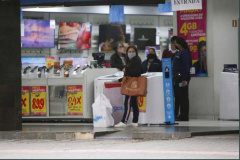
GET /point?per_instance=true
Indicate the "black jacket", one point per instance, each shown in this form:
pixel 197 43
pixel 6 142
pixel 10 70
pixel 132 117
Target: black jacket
pixel 116 61
pixel 133 67
pixel 182 63
pixel 156 66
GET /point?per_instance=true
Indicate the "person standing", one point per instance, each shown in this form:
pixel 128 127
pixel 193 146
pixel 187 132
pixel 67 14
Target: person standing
pixel 132 69
pixel 152 63
pixel 117 60
pixel 173 52
pixel 182 63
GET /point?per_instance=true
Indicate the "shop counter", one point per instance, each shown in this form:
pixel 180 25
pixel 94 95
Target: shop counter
pixel 151 107
pixel 229 96
pixel 152 110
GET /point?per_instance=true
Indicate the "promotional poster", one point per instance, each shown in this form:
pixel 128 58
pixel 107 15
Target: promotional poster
pixel 111 34
pixel 38 101
pixel 144 37
pixel 74 100
pixel 74 36
pixel 192 27
pixel 38 34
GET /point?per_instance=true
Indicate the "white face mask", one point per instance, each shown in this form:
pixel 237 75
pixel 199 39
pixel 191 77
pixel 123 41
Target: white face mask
pixel 174 51
pixel 131 55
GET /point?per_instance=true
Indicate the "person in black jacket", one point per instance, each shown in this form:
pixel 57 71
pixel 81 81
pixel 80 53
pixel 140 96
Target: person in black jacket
pixel 132 69
pixel 117 60
pixel 152 63
pixel 182 63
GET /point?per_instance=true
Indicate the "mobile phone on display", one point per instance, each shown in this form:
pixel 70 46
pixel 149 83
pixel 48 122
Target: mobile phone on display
pixel 180 84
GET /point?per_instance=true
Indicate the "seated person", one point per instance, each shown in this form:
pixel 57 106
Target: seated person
pixel 117 60
pixel 152 63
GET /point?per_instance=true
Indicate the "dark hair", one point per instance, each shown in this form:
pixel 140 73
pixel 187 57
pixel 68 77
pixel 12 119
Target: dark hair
pixel 174 38
pixel 153 50
pixel 115 46
pixel 181 41
pixel 200 45
pixel 126 56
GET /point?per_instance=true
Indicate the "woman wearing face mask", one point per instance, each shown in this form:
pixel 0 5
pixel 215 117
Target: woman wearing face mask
pixel 117 60
pixel 132 69
pixel 201 65
pixel 152 63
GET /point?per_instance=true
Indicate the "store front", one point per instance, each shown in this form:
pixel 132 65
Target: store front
pixel 51 90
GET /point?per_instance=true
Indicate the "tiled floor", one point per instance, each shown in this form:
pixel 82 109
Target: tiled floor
pixel 60 131
pixel 201 147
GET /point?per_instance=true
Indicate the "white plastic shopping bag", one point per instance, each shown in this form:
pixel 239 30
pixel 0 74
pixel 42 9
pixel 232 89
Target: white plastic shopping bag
pixel 102 112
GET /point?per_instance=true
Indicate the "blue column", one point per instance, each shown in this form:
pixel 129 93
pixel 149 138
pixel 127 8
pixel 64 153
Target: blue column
pixel 168 90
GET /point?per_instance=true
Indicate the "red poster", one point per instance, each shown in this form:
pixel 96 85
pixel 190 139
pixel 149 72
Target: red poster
pixel 192 27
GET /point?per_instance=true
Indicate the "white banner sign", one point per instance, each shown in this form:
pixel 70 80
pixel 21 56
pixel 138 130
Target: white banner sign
pixel 178 5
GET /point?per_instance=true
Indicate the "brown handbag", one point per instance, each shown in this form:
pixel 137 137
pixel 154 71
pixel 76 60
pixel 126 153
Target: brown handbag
pixel 134 86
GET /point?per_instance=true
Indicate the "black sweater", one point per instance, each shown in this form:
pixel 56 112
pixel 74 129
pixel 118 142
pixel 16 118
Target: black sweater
pixel 133 67
pixel 116 61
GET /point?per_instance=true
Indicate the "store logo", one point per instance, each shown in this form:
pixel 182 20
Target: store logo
pixel 115 109
pixel 97 118
pixel 134 85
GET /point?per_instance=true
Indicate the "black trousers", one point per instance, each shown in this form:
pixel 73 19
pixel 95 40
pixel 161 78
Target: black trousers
pixel 181 98
pixel 130 101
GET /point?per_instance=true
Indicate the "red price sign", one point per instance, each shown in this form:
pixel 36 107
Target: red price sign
pixel 142 103
pixel 25 101
pixel 74 97
pixel 38 100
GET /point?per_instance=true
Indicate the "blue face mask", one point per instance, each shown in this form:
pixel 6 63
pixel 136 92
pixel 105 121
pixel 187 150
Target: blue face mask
pixel 131 55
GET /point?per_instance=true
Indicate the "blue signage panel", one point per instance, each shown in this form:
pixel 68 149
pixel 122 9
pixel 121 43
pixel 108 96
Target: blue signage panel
pixel 168 90
pixel 167 7
pixel 21 16
pixel 116 13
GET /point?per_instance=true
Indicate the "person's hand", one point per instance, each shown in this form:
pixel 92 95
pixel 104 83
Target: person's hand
pixel 184 84
pixel 116 81
pixel 123 69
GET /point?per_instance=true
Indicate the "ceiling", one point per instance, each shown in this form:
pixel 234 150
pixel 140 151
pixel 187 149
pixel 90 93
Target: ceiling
pixel 69 3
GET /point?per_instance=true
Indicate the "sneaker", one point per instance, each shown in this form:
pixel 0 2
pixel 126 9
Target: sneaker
pixel 133 124
pixel 120 124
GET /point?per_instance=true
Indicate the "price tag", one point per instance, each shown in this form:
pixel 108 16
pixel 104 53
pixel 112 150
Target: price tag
pixel 38 101
pixel 158 31
pixel 142 103
pixel 22 28
pixel 74 100
pixel 88 26
pixel 52 24
pixel 25 101
pixel 128 29
pixel 49 61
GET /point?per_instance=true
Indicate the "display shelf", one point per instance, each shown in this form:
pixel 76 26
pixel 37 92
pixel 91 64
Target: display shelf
pixel 87 83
